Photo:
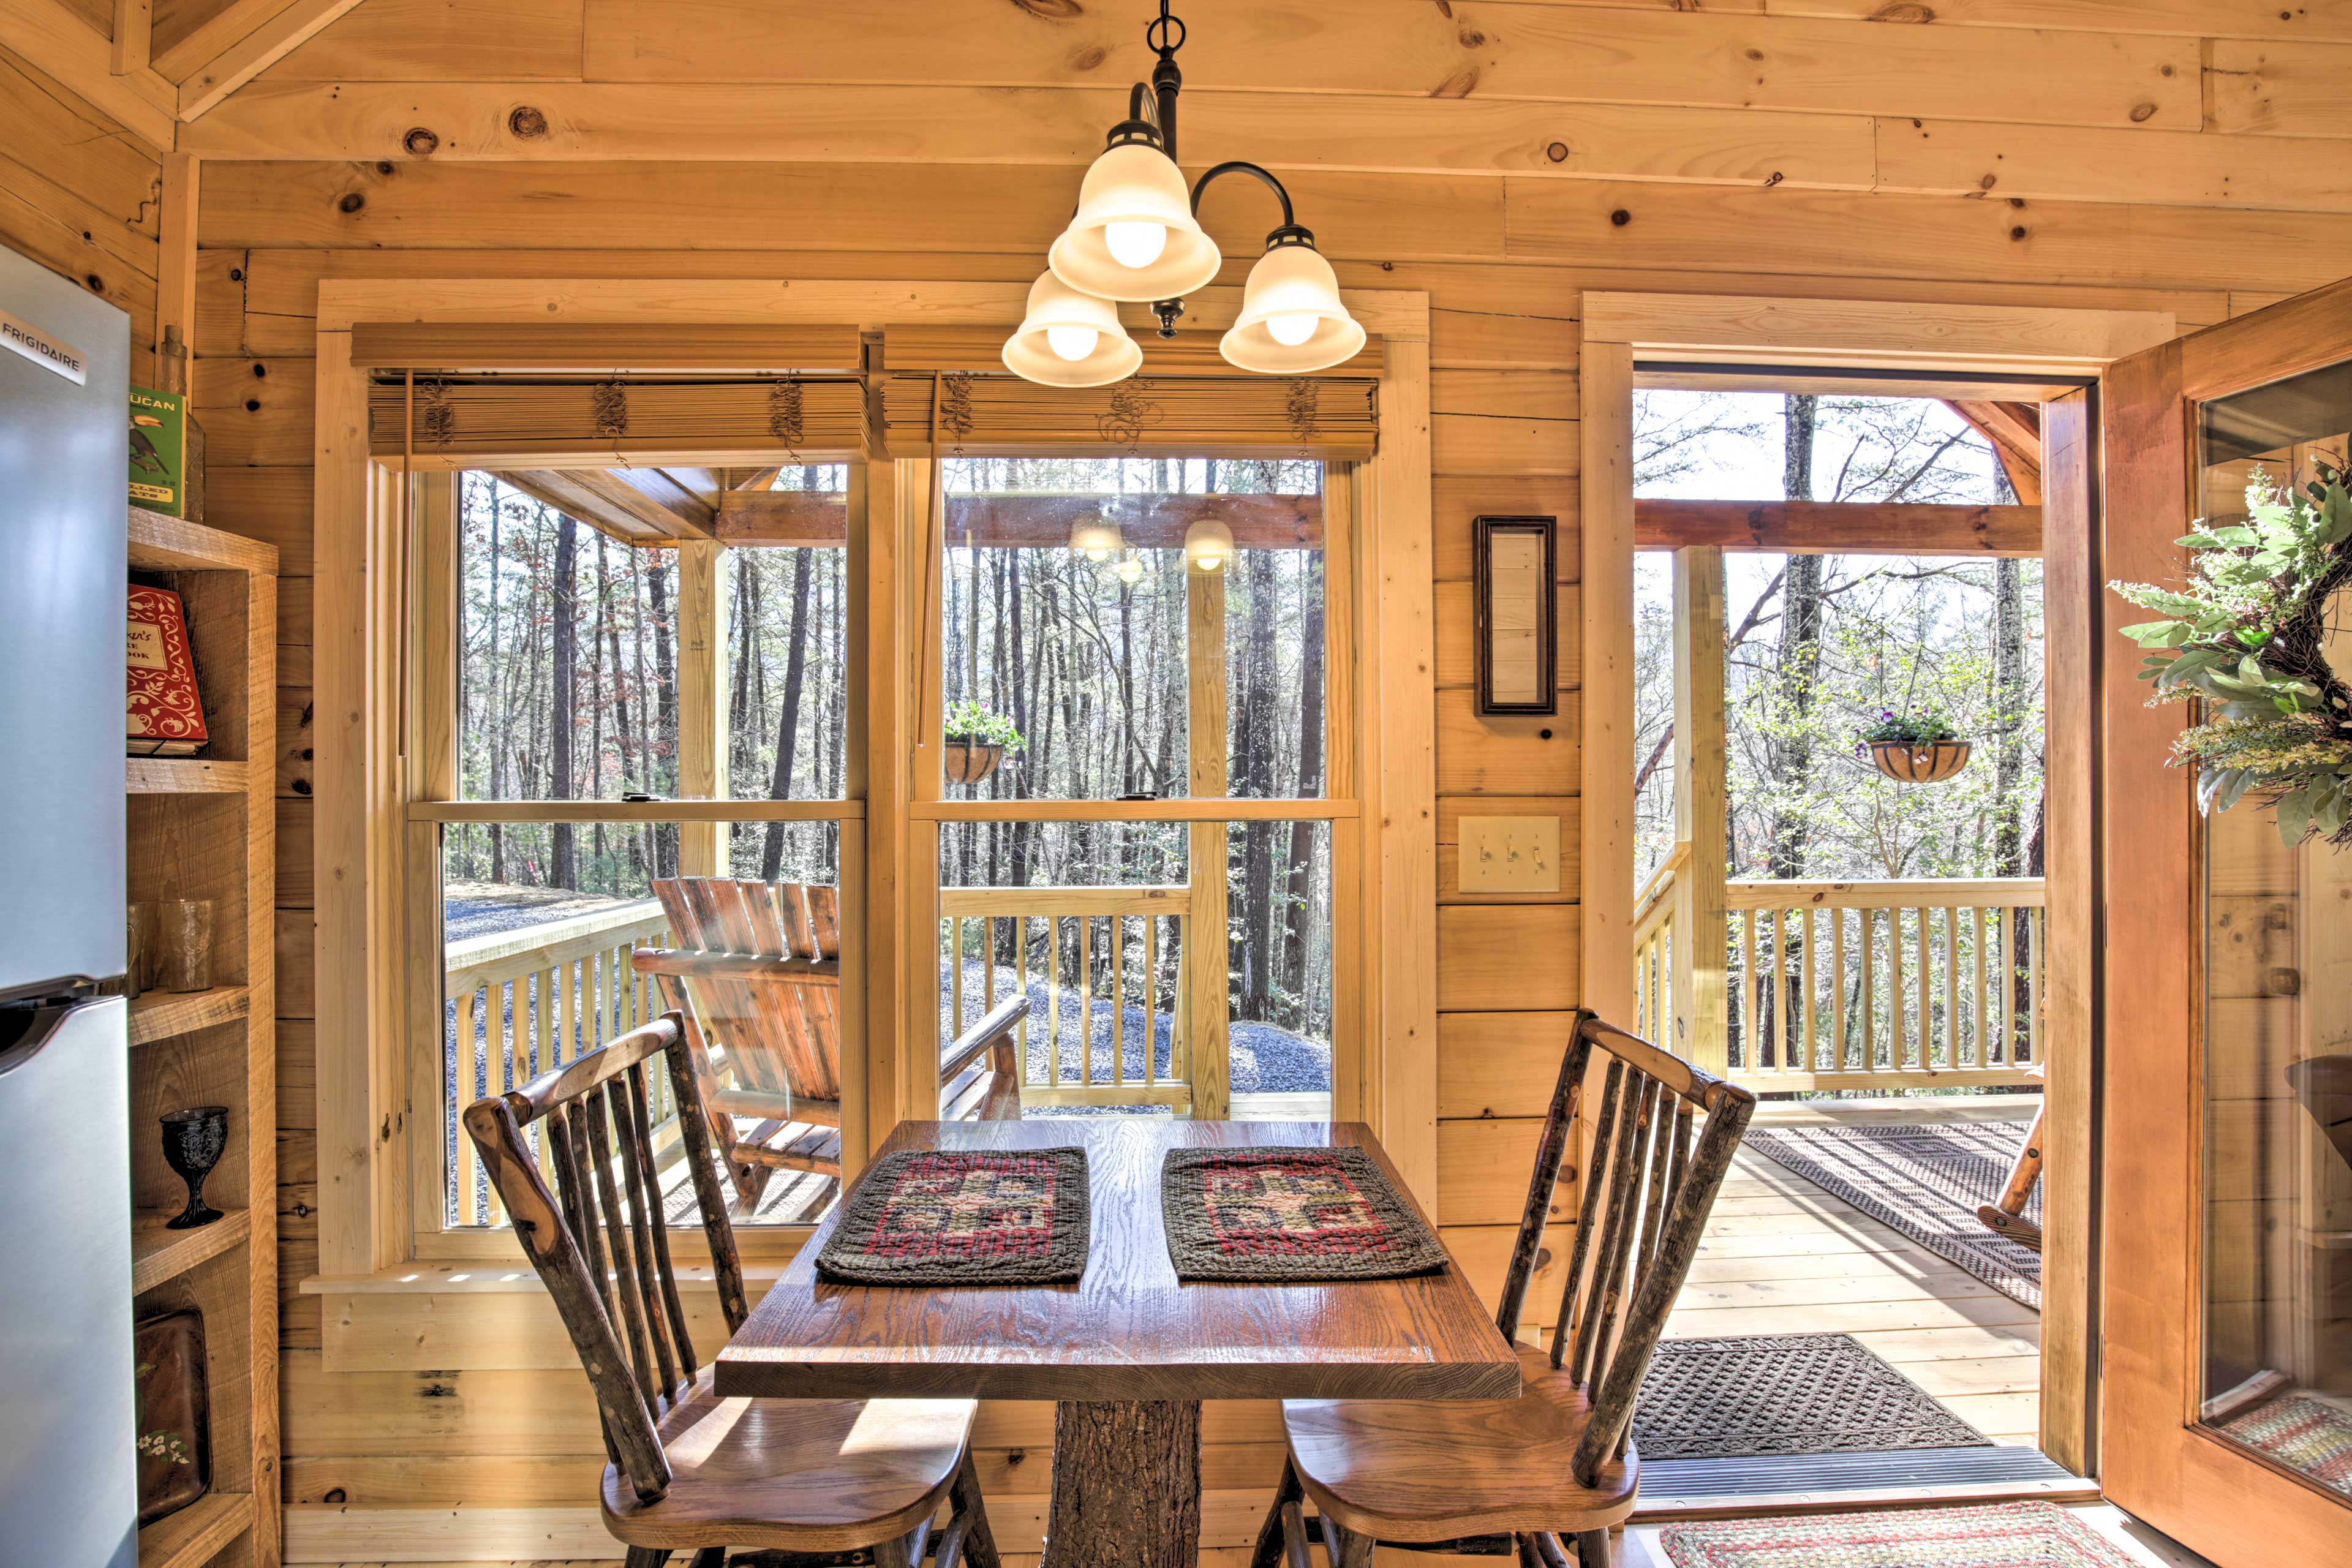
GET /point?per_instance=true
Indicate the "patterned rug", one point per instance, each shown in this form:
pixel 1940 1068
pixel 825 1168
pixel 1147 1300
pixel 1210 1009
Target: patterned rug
pixel 2306 1435
pixel 1926 1181
pixel 2004 1535
pixel 1016 1218
pixel 1785 1394
pixel 1289 1215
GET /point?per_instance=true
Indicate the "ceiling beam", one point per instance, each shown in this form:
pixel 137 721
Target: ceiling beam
pixel 258 34
pixel 2014 429
pixel 567 491
pixel 60 43
pixel 1148 522
pixel 134 33
pixel 1837 528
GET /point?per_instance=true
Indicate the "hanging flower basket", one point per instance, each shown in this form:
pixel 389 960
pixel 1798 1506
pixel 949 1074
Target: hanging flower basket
pixel 969 761
pixel 1931 761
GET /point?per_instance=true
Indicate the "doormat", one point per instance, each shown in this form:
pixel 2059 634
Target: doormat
pixel 1926 1181
pixel 1746 1397
pixel 981 1217
pixel 1289 1215
pixel 2307 1436
pixel 2002 1535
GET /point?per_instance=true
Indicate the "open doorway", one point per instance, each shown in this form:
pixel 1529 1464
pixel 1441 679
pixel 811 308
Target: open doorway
pixel 1839 813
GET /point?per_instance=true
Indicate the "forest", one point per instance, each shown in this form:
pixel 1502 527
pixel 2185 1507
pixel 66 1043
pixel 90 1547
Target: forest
pixel 568 689
pixel 1818 646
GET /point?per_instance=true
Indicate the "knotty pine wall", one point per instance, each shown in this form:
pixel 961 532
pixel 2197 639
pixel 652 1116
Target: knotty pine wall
pixel 2173 154
pixel 81 195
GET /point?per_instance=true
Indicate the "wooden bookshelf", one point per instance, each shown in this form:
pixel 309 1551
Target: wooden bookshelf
pixel 204 828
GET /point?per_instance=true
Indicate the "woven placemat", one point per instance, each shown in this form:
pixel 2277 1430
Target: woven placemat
pixel 992 1217
pixel 1289 1215
pixel 1741 1397
pixel 2002 1535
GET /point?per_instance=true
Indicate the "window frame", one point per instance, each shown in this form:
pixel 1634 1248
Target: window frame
pixel 1208 814
pixel 368 850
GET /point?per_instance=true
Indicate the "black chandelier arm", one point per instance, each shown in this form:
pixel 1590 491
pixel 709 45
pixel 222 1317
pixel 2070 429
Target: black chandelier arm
pixel 1237 166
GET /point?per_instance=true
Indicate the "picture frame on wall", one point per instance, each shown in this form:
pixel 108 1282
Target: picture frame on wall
pixel 1512 564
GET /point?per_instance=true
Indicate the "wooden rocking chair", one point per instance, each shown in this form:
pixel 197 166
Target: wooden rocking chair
pixel 757 973
pixel 2006 1216
pixel 797 1483
pixel 1515 1478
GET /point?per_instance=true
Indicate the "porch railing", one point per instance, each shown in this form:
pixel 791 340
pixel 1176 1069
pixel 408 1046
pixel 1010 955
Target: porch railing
pixel 1885 984
pixel 1850 986
pixel 1090 947
pixel 526 1000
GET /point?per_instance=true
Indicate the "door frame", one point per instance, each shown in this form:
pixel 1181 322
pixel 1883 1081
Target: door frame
pixel 2160 1463
pixel 2039 347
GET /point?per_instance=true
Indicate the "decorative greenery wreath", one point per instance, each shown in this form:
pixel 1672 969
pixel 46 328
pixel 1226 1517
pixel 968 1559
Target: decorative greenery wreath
pixel 2248 636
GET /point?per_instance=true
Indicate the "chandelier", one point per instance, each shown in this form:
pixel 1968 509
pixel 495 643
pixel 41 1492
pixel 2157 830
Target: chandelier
pixel 1137 237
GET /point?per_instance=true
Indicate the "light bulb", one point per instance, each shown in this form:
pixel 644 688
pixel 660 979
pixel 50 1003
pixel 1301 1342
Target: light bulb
pixel 1135 244
pixel 1130 570
pixel 1072 344
pixel 1291 328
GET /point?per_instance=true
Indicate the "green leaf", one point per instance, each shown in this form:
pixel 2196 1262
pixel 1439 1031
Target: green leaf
pixel 2294 815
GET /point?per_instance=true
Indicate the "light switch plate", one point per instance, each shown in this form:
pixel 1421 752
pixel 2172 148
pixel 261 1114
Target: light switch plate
pixel 1509 854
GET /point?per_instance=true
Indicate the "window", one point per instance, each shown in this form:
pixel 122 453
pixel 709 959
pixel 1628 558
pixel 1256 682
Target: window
pixel 1089 661
pixel 586 692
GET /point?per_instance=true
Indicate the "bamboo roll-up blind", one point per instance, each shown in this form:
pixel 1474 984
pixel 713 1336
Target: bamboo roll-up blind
pixel 602 347
pixel 1330 418
pixel 519 417
pixel 920 350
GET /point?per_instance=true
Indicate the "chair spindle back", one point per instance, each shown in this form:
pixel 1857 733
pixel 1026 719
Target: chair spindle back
pixel 1647 1193
pixel 598 1237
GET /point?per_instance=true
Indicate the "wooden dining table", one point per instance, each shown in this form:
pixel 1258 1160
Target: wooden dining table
pixel 1128 1352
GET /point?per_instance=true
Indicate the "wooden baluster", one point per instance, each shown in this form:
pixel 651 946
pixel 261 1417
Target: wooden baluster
pixel 462 1053
pixel 987 965
pixel 1086 999
pixel 1119 999
pixel 2003 923
pixel 1837 989
pixel 616 1235
pixel 1897 1020
pixel 1021 951
pixel 1927 995
pixel 1811 1003
pixel 498 1067
pixel 1054 1000
pixel 1952 988
pixel 2032 1029
pixel 1749 1033
pixel 955 973
pixel 1151 1000
pixel 1868 920
pixel 1976 992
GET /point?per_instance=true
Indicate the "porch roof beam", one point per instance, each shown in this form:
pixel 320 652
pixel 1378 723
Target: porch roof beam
pixel 1838 528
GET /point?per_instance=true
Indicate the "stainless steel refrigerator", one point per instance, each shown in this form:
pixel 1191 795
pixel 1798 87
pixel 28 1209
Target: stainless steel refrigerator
pixel 69 1480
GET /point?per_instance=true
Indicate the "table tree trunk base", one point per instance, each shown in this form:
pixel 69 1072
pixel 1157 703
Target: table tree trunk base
pixel 1127 1485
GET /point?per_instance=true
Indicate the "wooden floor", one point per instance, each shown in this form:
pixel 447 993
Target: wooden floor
pixel 1782 1256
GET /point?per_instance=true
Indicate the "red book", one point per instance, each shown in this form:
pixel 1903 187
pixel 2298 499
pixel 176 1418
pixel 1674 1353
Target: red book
pixel 165 716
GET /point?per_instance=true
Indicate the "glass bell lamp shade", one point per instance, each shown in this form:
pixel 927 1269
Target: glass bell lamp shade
pixel 1096 537
pixel 1070 339
pixel 1134 236
pixel 1130 570
pixel 1208 545
pixel 1292 320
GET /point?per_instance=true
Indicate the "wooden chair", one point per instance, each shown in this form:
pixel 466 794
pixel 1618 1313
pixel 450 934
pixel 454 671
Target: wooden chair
pixel 2006 1216
pixel 1514 1477
pixel 802 1481
pixel 757 973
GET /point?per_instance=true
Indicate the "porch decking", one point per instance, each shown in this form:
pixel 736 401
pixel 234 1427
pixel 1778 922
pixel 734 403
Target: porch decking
pixel 1783 1257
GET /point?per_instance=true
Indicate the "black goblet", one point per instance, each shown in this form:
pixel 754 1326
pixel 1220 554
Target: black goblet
pixel 193 1141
